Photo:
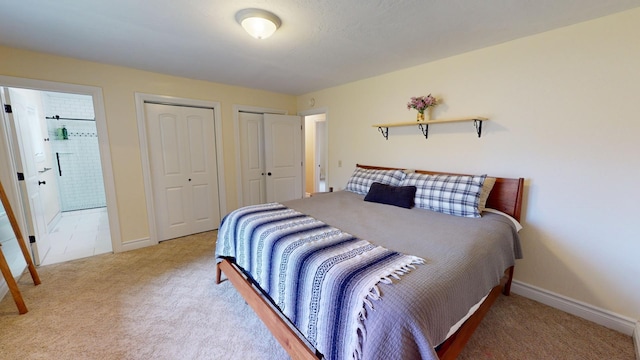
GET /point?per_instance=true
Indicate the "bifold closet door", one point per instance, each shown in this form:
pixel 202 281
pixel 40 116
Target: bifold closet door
pixel 182 159
pixel 271 157
pixel 283 157
pixel 252 158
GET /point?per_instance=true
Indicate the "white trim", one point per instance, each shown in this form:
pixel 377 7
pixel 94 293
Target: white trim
pixel 586 311
pixel 137 244
pixel 11 188
pixel 140 99
pixel 636 340
pixel 4 289
pixel 318 111
pixel 236 140
pixel 103 140
pixel 325 111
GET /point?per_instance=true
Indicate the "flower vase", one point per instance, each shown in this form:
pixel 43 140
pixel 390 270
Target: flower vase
pixel 420 117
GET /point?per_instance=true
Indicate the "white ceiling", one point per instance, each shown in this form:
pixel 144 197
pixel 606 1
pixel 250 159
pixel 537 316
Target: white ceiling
pixel 321 43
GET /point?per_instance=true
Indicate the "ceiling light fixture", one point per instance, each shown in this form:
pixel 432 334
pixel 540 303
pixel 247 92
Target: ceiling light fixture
pixel 258 23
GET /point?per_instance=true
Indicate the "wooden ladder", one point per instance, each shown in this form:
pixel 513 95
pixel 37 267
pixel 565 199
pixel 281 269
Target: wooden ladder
pixel 4 267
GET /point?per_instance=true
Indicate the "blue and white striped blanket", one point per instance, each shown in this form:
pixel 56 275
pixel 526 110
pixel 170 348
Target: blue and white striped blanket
pixel 320 277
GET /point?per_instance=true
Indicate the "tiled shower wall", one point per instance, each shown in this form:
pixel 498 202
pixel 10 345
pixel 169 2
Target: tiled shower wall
pixel 80 174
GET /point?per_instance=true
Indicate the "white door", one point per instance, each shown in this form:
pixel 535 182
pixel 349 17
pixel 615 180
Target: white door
pixel 283 157
pixel 28 150
pixel 271 157
pixel 184 174
pixel 252 158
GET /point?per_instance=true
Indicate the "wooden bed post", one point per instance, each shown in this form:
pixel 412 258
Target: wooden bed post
pixel 218 273
pixel 507 286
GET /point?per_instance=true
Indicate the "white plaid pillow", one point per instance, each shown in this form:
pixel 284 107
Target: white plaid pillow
pixel 361 179
pixel 449 194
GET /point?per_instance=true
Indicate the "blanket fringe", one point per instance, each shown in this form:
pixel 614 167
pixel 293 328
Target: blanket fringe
pixel 374 294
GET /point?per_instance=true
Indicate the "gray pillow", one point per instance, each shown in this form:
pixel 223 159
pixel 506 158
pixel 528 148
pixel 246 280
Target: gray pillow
pixel 449 194
pixel 361 179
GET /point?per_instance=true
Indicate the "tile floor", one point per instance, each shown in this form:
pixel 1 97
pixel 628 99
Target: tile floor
pixel 79 234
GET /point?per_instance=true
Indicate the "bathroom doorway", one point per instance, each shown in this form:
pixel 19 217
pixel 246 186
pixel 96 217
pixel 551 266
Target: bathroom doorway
pixel 316 151
pixel 60 140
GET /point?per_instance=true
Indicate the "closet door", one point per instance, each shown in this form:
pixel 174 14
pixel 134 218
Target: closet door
pixel 283 157
pixel 270 157
pixel 252 158
pixel 183 169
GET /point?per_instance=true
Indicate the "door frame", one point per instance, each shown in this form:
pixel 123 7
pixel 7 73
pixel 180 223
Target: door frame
pixel 316 162
pixel 236 133
pixel 318 111
pixel 140 99
pixel 103 145
pixel 23 157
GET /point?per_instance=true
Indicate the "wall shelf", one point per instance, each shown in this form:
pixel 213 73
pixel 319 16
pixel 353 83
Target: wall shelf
pixel 424 125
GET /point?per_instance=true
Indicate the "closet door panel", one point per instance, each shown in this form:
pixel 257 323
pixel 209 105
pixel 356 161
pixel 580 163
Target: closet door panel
pixel 283 157
pixel 252 158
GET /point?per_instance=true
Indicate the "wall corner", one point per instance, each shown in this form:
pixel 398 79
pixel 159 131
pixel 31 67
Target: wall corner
pixel 636 339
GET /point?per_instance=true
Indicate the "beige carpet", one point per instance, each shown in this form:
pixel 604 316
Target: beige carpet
pixel 162 303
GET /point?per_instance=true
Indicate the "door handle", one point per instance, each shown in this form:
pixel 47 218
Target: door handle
pixel 41 182
pixel 59 168
pixel 269 173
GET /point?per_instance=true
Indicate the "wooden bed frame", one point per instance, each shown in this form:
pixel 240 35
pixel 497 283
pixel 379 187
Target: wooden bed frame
pixel 506 196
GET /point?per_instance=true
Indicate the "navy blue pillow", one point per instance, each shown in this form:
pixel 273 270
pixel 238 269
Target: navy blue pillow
pixel 402 196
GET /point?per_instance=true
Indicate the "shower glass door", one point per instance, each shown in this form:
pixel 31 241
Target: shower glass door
pixel 78 163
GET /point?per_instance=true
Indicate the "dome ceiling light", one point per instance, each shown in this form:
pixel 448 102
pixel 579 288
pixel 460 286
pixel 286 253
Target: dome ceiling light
pixel 258 23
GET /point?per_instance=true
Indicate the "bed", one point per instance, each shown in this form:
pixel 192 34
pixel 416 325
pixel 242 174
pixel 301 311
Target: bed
pixel 457 268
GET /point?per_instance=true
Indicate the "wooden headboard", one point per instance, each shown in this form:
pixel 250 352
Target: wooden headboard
pixel 505 196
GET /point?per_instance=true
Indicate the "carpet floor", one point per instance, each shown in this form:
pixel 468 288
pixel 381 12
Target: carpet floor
pixel 161 302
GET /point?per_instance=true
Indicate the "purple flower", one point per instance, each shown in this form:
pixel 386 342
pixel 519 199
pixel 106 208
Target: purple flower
pixel 421 103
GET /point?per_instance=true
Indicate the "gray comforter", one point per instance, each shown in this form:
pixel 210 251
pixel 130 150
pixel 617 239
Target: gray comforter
pixel 465 259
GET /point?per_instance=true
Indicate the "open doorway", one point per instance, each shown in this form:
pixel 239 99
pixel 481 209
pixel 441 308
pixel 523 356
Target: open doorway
pixel 53 141
pixel 316 153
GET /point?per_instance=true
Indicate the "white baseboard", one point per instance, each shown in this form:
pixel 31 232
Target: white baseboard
pixel 4 289
pixel 137 244
pixel 592 313
pixel 636 340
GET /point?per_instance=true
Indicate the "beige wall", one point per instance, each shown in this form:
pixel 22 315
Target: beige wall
pixel 564 115
pixel 119 85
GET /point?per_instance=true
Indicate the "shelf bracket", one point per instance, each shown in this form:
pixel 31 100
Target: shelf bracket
pixel 425 130
pixel 384 131
pixel 478 125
